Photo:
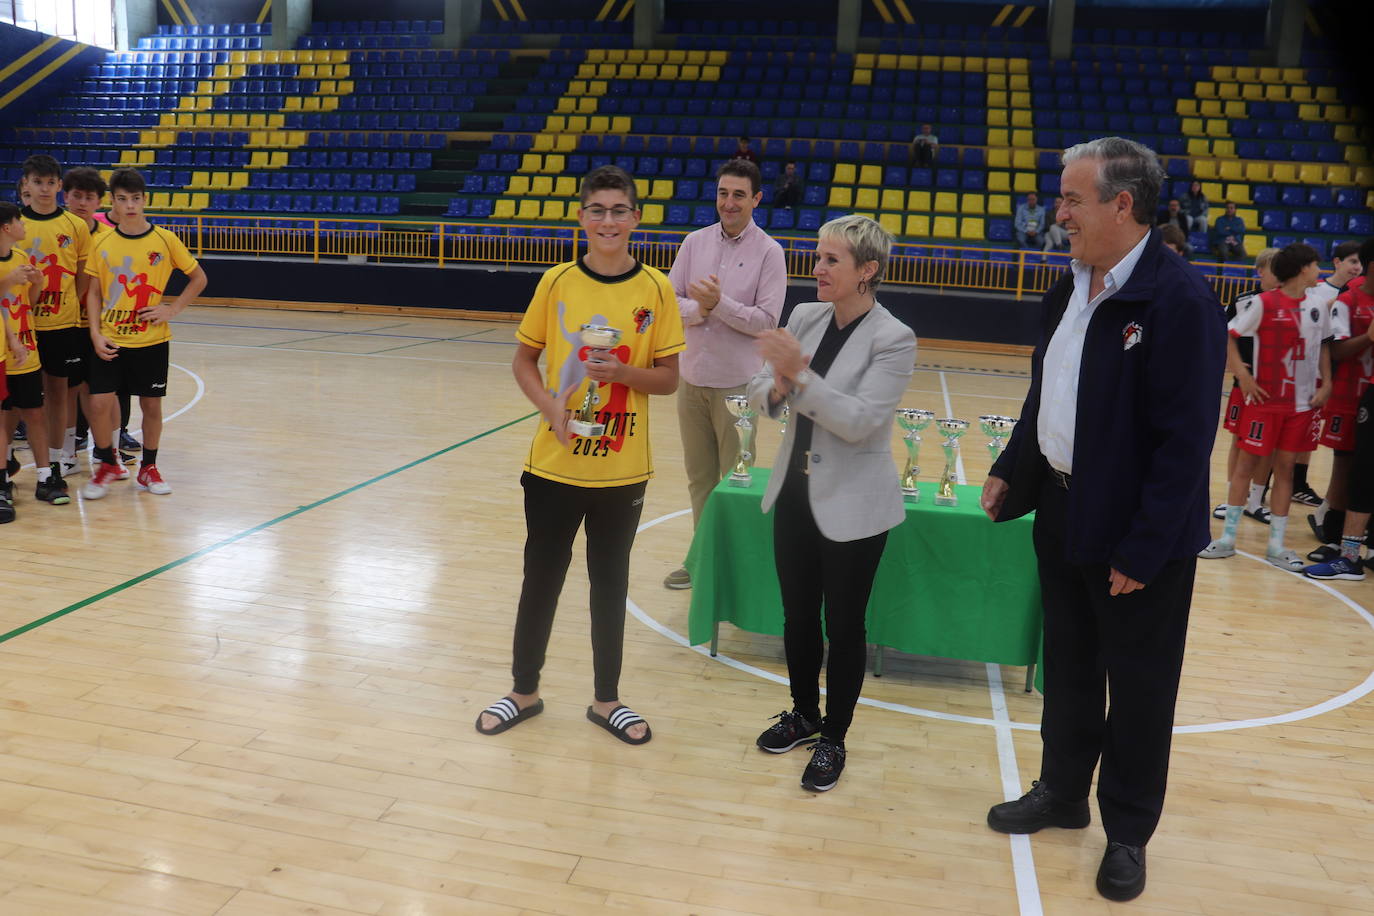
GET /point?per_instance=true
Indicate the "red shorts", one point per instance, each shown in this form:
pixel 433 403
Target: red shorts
pixel 1264 429
pixel 1338 427
pixel 1234 405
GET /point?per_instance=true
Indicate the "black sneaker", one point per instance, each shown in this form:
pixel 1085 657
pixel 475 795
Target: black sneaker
pixel 1324 554
pixel 82 442
pixel 12 466
pixel 791 729
pixel 1036 810
pixel 6 503
pixel 1306 496
pixel 128 443
pixel 53 490
pixel 827 763
pixel 126 458
pixel 21 432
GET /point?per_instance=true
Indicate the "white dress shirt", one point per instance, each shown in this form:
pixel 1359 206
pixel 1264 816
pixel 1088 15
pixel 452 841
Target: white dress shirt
pixel 1064 357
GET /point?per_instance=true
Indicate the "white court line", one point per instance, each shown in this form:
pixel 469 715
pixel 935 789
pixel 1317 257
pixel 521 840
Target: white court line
pixel 1022 862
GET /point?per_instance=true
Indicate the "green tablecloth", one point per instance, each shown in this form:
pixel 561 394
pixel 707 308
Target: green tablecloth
pixel 951 583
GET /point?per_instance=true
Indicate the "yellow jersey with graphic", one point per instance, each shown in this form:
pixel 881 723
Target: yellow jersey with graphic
pixel 19 315
pixel 642 306
pixel 56 244
pixel 131 272
pixel 97 230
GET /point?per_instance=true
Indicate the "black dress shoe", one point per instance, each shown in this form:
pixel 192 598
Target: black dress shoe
pixel 1121 876
pixel 1036 810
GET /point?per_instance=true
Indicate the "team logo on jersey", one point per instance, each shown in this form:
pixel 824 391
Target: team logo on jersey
pixel 64 241
pixel 1131 335
pixel 643 318
pixel 1316 315
pixel 154 258
pixel 1362 416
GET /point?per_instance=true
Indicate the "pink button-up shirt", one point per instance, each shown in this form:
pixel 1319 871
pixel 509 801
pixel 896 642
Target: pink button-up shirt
pixel 752 273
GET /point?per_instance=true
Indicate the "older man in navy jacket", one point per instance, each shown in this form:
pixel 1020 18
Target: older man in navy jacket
pixel 1113 453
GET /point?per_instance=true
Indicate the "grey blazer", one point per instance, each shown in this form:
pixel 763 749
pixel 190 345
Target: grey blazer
pixel 854 487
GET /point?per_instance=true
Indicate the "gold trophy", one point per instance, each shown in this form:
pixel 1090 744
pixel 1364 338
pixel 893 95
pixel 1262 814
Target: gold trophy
pixel 952 429
pixel 913 421
pixel 997 428
pixel 738 405
pixel 599 340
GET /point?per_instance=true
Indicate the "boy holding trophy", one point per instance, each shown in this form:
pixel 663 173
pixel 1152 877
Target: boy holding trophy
pixel 610 330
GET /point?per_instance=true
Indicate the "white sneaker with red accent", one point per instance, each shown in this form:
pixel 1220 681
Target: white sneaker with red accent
pixel 99 484
pixel 121 472
pixel 150 480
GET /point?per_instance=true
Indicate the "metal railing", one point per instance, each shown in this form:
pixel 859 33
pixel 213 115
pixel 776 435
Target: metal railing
pixel 933 265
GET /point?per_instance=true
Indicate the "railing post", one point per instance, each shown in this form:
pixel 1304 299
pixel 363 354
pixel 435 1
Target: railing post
pixel 316 223
pixel 1020 273
pixel 442 244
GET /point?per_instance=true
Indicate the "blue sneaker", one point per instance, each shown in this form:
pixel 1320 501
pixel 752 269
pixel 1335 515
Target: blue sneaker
pixel 1339 568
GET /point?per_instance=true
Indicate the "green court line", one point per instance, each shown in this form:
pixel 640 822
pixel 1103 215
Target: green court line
pixel 233 538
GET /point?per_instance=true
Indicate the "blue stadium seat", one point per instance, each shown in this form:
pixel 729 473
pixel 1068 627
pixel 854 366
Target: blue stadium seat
pixel 703 215
pixel 1273 220
pixel 809 220
pixel 1302 221
pixel 1293 196
pixel 1361 224
pixel 1264 194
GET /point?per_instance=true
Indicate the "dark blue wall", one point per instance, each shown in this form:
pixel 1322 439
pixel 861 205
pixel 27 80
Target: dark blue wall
pixel 15 43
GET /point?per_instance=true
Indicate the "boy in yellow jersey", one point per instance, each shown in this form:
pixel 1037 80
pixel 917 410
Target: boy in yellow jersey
pixel 82 191
pixel 128 317
pixel 23 375
pixel 598 480
pixel 58 244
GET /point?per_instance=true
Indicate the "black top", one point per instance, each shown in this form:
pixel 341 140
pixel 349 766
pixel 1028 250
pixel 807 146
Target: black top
pixel 821 361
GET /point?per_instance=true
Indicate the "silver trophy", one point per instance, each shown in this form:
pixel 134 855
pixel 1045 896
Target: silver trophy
pixel 913 421
pixel 599 340
pixel 786 415
pixel 738 405
pixel 997 428
pixel 952 429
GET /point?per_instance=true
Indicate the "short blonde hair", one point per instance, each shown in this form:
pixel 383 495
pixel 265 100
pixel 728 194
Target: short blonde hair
pixel 867 241
pixel 1265 259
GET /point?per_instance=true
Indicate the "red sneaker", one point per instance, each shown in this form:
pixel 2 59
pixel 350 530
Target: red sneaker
pixel 99 484
pixel 150 480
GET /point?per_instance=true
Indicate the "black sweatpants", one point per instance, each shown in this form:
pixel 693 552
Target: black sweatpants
pixel 1134 642
pixel 814 571
pixel 553 513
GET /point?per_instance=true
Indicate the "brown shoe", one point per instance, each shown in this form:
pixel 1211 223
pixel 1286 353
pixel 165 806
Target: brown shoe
pixel 678 579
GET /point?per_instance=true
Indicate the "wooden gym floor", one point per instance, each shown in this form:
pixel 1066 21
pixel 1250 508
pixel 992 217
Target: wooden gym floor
pixel 256 695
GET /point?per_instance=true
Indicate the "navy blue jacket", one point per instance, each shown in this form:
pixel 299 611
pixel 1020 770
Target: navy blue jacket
pixel 1146 420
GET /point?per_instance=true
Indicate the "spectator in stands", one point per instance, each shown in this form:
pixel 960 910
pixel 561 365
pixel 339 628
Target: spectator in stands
pixel 787 193
pixel 730 279
pixel 1175 239
pixel 1195 205
pixel 1174 215
pixel 742 151
pixel 1056 239
pixel 924 147
pixel 1029 223
pixel 842 363
pixel 1118 483
pixel 1228 235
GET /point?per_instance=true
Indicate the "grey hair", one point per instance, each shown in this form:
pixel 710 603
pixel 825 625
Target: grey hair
pixel 1124 165
pixel 1265 258
pixel 867 241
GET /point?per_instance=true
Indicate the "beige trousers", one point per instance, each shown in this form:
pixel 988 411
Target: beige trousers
pixel 709 442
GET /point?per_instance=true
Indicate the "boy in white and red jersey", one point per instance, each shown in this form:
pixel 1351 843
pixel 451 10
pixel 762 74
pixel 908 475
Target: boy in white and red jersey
pixel 1292 351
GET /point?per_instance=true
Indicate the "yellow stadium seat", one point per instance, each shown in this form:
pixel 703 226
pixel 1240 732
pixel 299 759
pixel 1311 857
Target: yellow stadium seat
pixel 1199 147
pixel 541 186
pixel 691 73
pixel 565 143
pixel 1212 189
pixel 1235 110
pixel 531 162
pixel 554 163
pixel 999 205
pixel 845 173
pixel 997 136
pixel 200 202
pixel 1021 117
pixel 1240 193
pixel 669 72
pixel 975 204
pixel 587 105
pixel 1254 243
pixel 257 160
pixel 999 181
pixel 1209 108
pixel 1191 127
pixel 565 186
pixel 1336 113
pixel 1339 174
pixel 1217 127
pixel 998 117
pixel 999 158
pixel 1023 182
pixel 552 209
pixel 1022 138
pixel 971 227
pixel 257 138
pixel 1256 170
pixel 662 189
pixel 528 210
pixel 653 215
pixel 238 181
pixel 277 159
pixel 578 124
pixel 918 201
pixel 710 73
pixel 1310 173
pixel 504 209
pixel 1228 90
pixel 180 202
pixel 841 198
pixel 1356 155
pixel 1204 168
pixel 620 124
pixel 866 199
pixel 946 227
pixel 868 61
pixel 892 222
pixel 542 143
pixel 946 202
pixel 1231 170
pixel 871 175
pixel 892 200
pixel 918 225
pixel 130 157
pixel 1023 159
pixel 1205 90
pixel 566 105
pixel 1225 149
pixel 519 186
pixel 1282 173
pixel 998 99
pixel 199 180
pixel 863 77
pixel 1300 94
pixel 1252 92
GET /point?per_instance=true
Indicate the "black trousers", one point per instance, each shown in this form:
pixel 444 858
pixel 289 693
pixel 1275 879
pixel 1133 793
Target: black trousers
pixel 1134 643
pixel 553 513
pixel 814 571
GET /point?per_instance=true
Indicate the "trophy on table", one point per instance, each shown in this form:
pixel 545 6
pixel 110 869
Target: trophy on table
pixel 997 428
pixel 598 339
pixel 953 429
pixel 738 405
pixel 786 414
pixel 913 421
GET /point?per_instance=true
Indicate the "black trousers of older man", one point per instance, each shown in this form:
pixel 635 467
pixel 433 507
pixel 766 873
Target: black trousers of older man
pixel 1132 643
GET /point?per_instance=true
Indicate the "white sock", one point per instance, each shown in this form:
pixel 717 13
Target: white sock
pixel 1320 512
pixel 1256 497
pixel 1278 526
pixel 44 473
pixel 69 441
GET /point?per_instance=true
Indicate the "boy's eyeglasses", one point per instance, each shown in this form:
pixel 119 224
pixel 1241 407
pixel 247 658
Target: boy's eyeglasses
pixel 619 214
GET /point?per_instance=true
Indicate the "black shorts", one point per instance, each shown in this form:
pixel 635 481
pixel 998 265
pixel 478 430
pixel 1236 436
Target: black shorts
pixel 142 371
pixel 26 391
pixel 64 353
pixel 1361 493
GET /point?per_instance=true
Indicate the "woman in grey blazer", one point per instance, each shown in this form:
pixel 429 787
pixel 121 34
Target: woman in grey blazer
pixel 842 365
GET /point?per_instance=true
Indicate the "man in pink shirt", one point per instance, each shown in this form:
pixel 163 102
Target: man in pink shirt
pixel 731 280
